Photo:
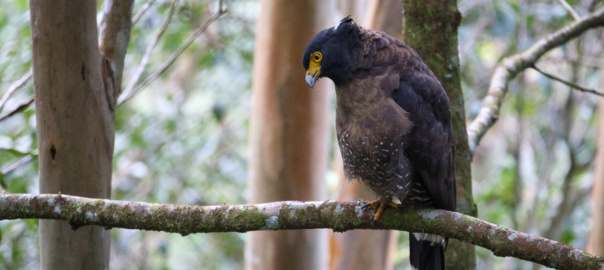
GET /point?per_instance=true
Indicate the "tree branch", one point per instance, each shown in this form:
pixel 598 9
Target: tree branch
pixel 570 9
pixel 19 108
pixel 200 30
pixel 14 87
pixel 513 65
pixel 160 32
pixel 292 215
pixel 142 11
pixel 12 167
pixel 8 169
pixel 570 84
pixel 115 35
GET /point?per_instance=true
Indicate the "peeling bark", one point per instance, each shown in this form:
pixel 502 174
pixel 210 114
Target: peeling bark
pixel 292 215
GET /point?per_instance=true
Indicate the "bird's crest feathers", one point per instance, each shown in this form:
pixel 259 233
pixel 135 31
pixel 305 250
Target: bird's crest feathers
pixel 348 19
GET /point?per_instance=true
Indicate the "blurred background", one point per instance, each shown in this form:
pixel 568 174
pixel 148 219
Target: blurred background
pixel 185 138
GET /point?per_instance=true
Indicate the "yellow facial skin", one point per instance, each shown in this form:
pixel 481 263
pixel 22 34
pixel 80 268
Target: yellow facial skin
pixel 314 68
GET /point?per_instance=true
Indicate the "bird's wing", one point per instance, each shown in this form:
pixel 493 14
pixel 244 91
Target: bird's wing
pixel 430 143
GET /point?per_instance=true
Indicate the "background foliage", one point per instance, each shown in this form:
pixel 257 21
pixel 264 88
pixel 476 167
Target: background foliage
pixel 183 139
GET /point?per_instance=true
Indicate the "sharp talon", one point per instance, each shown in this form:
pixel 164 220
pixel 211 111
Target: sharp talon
pixel 381 206
pixel 373 204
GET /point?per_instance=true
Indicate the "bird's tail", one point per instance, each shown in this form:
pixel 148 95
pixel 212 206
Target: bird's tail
pixel 427 251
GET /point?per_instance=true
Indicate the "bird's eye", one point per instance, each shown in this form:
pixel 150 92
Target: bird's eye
pixel 317 56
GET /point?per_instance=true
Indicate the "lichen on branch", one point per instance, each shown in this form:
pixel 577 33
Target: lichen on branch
pixel 292 215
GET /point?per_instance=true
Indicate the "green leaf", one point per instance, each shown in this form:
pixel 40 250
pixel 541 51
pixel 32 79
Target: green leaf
pixel 18 153
pixel 567 237
pixel 32 224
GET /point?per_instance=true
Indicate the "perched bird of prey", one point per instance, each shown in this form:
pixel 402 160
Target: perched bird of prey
pixel 393 123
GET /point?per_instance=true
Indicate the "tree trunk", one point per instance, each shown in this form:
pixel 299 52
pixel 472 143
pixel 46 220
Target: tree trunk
pixel 289 133
pixel 75 125
pixel 595 242
pixel 365 249
pixel 430 27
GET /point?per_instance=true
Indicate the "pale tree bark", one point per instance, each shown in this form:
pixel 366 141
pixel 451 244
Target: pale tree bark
pixel 289 131
pixel 595 243
pixel 75 90
pixel 365 249
pixel 430 27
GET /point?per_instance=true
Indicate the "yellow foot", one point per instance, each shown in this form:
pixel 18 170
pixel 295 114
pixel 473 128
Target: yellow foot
pixel 381 206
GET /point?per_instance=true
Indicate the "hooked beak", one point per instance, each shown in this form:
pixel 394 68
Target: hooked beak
pixel 312 74
pixel 311 79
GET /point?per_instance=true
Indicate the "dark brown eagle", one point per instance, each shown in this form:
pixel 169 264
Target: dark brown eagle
pixel 393 123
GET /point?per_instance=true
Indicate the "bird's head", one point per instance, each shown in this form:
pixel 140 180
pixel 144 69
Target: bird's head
pixel 329 53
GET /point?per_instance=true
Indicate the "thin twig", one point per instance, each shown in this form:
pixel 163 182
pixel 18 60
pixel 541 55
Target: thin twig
pixel 12 167
pixel 141 67
pixel 19 108
pixel 200 30
pixel 573 85
pixel 14 87
pixel 142 11
pixel 570 9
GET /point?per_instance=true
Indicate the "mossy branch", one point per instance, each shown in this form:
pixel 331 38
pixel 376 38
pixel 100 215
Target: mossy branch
pixel 515 64
pixel 292 215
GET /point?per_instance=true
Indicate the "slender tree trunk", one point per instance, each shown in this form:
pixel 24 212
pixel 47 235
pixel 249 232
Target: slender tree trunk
pixel 595 243
pixel 430 27
pixel 289 131
pixel 75 99
pixel 365 249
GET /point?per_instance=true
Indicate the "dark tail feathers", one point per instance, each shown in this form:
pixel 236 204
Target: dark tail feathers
pixel 425 254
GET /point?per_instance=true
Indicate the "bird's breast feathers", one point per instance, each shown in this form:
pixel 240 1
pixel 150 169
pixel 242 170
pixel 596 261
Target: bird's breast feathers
pixel 366 117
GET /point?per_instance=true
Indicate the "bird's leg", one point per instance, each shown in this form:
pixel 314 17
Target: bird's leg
pixel 381 205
